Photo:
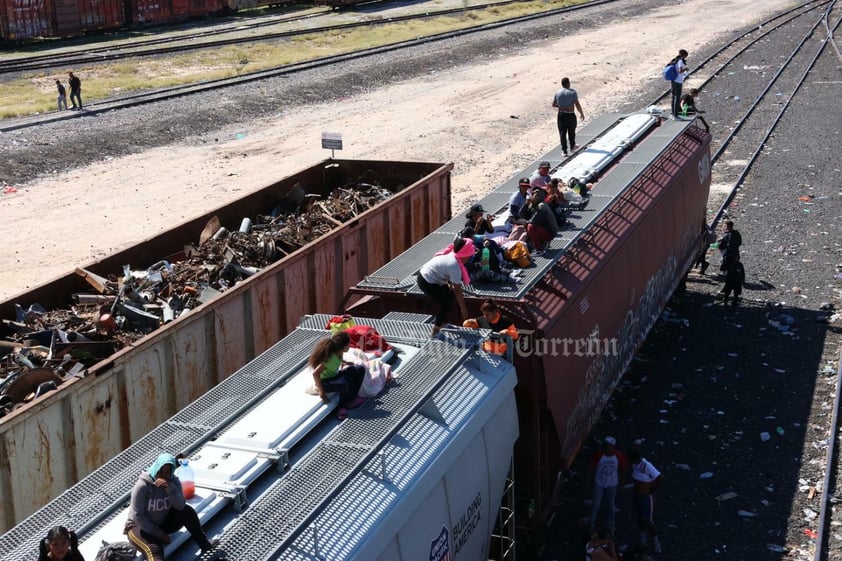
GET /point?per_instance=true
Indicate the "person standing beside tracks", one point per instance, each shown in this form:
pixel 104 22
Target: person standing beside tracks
pixel 681 71
pixel 729 244
pixel 647 479
pixel 158 508
pixel 75 91
pixel 606 471
pixel 567 101
pixel 62 95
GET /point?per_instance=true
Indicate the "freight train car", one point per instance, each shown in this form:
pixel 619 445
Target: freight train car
pixel 416 473
pixel 589 301
pixel 388 482
pixel 52 441
pixel 22 20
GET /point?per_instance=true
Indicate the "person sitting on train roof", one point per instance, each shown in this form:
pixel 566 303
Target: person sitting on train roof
pixel 60 545
pixel 543 226
pixel 480 223
pixel 556 201
pixel 518 199
pixel 541 176
pixel 441 279
pixel 330 375
pixel 158 508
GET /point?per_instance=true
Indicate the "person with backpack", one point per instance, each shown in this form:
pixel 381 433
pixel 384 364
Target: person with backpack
pixel 675 72
pixel 60 545
pixel 158 508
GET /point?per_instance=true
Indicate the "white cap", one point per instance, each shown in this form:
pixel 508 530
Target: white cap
pixel 609 440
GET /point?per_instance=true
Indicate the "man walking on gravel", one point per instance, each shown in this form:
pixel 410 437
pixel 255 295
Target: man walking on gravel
pixel 567 100
pixel 75 91
pixel 646 479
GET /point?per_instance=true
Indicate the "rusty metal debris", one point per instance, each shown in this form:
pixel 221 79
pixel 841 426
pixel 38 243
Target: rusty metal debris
pixel 45 348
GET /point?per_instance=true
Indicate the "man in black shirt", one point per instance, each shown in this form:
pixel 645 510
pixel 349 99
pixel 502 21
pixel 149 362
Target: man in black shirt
pixel 75 91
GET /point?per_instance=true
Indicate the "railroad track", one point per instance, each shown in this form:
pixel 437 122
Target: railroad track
pixel 746 122
pixel 205 39
pixel 141 98
pixel 780 512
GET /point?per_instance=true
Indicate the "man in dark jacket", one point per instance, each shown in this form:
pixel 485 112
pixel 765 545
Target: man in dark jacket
pixel 75 91
pixel 729 243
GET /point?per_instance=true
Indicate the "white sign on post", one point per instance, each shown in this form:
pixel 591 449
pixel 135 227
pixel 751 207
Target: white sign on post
pixel 332 141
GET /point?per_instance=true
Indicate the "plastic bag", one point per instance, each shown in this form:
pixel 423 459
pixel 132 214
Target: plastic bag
pixel 518 254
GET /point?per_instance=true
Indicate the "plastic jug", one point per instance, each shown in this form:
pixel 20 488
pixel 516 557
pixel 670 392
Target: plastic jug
pixel 187 477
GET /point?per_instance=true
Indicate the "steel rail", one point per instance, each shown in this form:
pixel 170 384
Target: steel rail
pixel 823 533
pixel 753 158
pixel 108 54
pixel 210 85
pixel 73 54
pixel 753 42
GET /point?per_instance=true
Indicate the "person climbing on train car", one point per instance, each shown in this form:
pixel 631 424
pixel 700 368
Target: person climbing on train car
pixel 331 375
pixel 158 508
pixel 75 91
pixel 689 109
pixel 566 100
pixel 542 226
pixel 647 479
pixel 477 220
pixel 729 243
pixel 441 279
pixel 493 318
pixel 60 545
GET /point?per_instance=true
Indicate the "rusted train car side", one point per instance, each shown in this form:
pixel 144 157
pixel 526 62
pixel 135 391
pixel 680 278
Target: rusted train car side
pixel 51 443
pixel 585 317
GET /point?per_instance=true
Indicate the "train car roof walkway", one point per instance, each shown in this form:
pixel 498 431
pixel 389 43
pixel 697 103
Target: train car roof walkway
pixel 617 149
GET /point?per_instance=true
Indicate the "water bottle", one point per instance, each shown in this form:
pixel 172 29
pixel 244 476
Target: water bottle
pixel 485 261
pixel 185 474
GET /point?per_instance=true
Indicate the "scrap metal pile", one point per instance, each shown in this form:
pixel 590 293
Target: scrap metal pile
pixel 44 348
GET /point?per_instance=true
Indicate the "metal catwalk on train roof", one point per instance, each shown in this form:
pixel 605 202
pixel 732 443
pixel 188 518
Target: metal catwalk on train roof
pixel 617 150
pixel 279 507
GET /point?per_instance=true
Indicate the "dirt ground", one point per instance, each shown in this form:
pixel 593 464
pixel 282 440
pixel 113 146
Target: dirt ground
pixel 491 120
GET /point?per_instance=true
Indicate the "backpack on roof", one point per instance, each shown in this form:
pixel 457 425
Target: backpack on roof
pixel 670 71
pixel 116 551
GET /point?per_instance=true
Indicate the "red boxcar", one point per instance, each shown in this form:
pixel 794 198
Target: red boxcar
pixel 26 19
pixel 590 300
pixel 150 11
pixel 74 17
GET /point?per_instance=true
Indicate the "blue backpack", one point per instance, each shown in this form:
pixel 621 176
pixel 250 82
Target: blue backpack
pixel 670 72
